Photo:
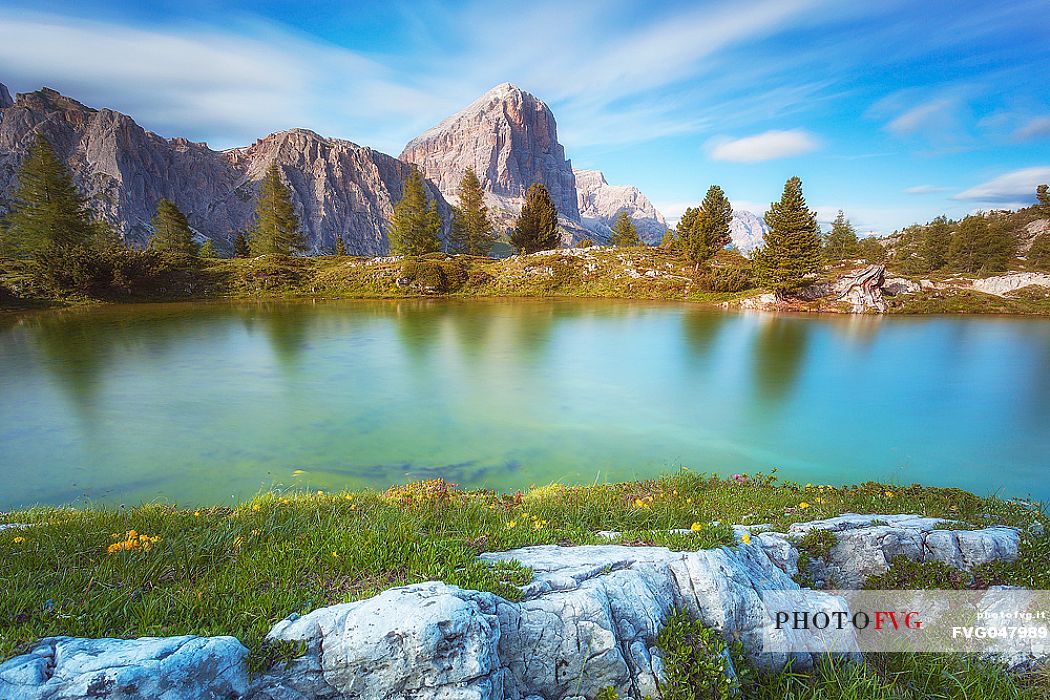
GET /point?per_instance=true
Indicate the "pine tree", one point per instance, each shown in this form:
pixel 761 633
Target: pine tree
pixel 669 240
pixel 208 251
pixel 869 248
pixel 241 248
pixel 171 231
pixel 48 210
pixel 415 228
pixel 624 232
pixel 1043 197
pixel 1039 253
pixel 936 238
pixel 684 230
pixel 792 244
pixel 537 225
pixel 710 229
pixel 980 245
pixel 276 229
pixel 841 242
pixel 340 246
pixel 472 230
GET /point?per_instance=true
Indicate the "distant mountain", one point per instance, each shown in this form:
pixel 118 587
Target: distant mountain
pixel 338 187
pixel 747 230
pixel 601 203
pixel 510 139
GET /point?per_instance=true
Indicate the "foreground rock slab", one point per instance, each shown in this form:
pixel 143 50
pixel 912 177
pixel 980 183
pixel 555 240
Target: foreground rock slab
pixel 587 621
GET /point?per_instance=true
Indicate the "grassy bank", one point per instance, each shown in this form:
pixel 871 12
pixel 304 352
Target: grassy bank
pixel 163 570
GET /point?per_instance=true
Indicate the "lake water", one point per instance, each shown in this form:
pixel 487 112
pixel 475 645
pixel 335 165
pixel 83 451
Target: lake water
pixel 211 403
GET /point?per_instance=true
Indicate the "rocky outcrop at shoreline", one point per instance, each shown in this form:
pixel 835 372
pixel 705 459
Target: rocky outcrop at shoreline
pixel 588 620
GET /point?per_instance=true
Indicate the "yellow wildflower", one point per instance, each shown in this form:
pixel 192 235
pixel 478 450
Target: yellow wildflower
pixel 256 507
pixel 889 494
pixel 20 539
pixel 803 505
pixel 335 554
pixel 255 532
pixel 696 527
pixel 196 514
pixel 320 493
pixel 511 524
pixel 745 538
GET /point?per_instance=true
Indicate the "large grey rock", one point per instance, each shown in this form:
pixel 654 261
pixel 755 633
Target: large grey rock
pixel 151 668
pixel 510 138
pixel 1001 285
pixel 5 97
pixel 337 186
pixel 601 203
pixel 865 545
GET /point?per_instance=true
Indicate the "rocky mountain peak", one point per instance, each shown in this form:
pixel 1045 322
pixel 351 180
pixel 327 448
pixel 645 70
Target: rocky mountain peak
pixel 5 97
pixel 601 203
pixel 510 138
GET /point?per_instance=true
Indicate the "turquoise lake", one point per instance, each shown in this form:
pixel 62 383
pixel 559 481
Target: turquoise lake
pixel 208 404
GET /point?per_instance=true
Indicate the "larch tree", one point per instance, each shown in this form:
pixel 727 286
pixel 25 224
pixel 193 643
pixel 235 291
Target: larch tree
pixel 241 247
pixel 415 228
pixel 340 246
pixel 171 231
pixel 710 229
pixel 624 232
pixel 472 230
pixel 791 253
pixel 276 229
pixel 841 243
pixel 537 225
pixel 48 210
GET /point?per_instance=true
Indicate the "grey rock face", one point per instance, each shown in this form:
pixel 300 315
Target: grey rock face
pixel 510 139
pixel 867 544
pixel 747 231
pixel 1002 285
pixel 5 97
pixel 338 187
pixel 601 203
pixel 151 668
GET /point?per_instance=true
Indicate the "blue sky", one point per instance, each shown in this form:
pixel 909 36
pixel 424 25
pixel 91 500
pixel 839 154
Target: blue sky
pixel 894 111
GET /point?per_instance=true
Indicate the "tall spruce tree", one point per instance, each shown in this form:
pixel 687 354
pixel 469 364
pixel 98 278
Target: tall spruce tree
pixel 841 241
pixel 537 225
pixel 472 230
pixel 792 244
pixel 340 246
pixel 981 245
pixel 710 229
pixel 1042 196
pixel 933 247
pixel 48 211
pixel 171 231
pixel 241 247
pixel 624 232
pixel 276 229
pixel 684 229
pixel 415 228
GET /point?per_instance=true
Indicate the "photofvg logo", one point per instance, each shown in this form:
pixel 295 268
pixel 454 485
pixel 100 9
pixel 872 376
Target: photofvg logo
pixel 1000 621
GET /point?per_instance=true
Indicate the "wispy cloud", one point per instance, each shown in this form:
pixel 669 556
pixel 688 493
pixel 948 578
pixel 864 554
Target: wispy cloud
pixel 1035 129
pixel 926 189
pixel 769 145
pixel 932 115
pixel 1008 188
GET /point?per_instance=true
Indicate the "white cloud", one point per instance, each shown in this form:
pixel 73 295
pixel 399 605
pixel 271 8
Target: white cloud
pixel 925 189
pixel 933 115
pixel 769 145
pixel 1034 129
pixel 1009 188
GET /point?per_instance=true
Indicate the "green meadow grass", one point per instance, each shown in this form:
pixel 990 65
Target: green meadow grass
pixel 238 571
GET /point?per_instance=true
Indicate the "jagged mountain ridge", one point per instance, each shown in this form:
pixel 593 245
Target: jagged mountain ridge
pixel 337 186
pixel 601 203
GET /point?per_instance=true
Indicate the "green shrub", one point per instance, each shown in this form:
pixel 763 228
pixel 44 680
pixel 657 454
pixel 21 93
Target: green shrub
pixel 1039 253
pixel 725 279
pixel 268 272
pixel 907 575
pixel 106 273
pixel 696 661
pixel 431 274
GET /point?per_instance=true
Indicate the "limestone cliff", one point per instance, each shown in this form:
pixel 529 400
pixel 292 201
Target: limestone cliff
pixel 510 139
pixel 601 203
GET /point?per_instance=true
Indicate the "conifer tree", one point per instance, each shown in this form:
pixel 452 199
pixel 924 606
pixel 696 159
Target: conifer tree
pixel 684 230
pixel 241 248
pixel 276 229
pixel 48 210
pixel 1039 253
pixel 841 242
pixel 537 225
pixel 340 246
pixel 472 230
pixel 624 232
pixel 208 251
pixel 792 244
pixel 415 228
pixel 980 245
pixel 669 239
pixel 869 248
pixel 936 238
pixel 710 229
pixel 1042 195
pixel 171 231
